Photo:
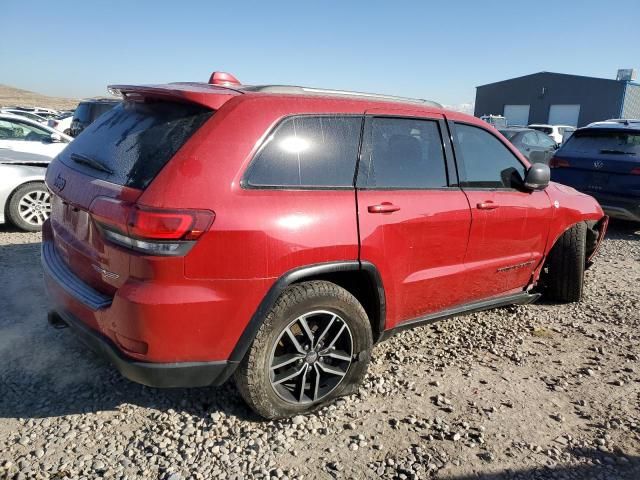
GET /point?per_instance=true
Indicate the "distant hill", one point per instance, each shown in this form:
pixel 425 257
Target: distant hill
pixel 10 96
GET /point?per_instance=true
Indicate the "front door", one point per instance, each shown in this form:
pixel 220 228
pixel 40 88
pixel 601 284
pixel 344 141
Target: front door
pixel 509 225
pixel 413 225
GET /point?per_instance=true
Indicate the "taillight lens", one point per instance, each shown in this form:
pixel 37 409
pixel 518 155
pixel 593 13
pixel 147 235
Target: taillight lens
pixel 556 162
pixel 160 224
pixel 149 230
pixel 635 171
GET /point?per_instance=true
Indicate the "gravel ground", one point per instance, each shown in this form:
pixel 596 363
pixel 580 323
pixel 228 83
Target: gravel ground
pixel 529 392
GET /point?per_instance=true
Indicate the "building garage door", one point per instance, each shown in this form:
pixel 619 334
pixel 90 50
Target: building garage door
pixel 516 114
pixel 564 115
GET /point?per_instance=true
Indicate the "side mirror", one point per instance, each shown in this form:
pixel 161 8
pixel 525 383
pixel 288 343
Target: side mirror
pixel 537 177
pixel 55 138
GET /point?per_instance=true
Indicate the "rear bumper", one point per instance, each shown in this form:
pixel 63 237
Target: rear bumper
pixel 617 206
pixel 162 375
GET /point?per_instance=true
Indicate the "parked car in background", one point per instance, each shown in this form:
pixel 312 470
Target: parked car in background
pixel 87 111
pixel 603 160
pixel 21 113
pixel 24 198
pixel 62 122
pixel 45 113
pixel 497 121
pixel 200 231
pixel 534 145
pixel 20 134
pixel 558 133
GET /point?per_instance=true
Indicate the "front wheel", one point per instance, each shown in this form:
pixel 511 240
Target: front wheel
pixel 313 347
pixel 566 263
pixel 30 206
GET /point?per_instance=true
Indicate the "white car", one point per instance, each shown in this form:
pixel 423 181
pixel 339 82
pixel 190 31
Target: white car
pixel 558 133
pixel 62 123
pixel 19 134
pixel 21 113
pixel 25 200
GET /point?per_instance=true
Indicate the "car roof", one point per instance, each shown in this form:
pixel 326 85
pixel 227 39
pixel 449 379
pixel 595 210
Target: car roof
pixel 516 129
pixel 214 96
pixel 619 124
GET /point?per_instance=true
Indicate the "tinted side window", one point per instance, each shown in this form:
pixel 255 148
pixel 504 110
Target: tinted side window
pixel 486 161
pixel 402 153
pixel 309 151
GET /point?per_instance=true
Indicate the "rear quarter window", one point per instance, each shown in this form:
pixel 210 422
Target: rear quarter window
pixel 308 152
pixel 133 141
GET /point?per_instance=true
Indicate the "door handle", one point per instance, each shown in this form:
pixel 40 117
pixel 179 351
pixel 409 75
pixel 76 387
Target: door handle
pixel 488 205
pixel 384 207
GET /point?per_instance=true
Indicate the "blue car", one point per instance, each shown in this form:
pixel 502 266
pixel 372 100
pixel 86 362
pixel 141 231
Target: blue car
pixel 603 160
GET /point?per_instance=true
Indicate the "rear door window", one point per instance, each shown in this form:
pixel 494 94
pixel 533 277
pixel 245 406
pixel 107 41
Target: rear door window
pixel 308 152
pixel 131 143
pixel 402 153
pixel 484 161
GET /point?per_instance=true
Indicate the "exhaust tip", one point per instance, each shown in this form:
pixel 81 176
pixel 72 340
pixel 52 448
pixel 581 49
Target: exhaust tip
pixel 56 321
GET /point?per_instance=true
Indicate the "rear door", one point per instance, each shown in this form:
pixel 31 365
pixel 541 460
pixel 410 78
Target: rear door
pixel 509 226
pixel 413 218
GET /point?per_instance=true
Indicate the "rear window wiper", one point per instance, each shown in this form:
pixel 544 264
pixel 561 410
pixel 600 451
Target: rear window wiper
pixel 90 162
pixel 622 152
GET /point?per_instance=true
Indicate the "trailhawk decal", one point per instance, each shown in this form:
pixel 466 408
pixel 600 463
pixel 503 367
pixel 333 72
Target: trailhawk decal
pixel 514 267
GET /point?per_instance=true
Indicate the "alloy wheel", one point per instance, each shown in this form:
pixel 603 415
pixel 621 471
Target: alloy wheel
pixel 311 357
pixel 35 207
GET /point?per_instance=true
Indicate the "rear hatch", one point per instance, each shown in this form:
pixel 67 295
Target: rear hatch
pixel 600 160
pixel 96 224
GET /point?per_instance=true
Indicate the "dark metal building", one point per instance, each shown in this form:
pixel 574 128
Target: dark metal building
pixel 560 99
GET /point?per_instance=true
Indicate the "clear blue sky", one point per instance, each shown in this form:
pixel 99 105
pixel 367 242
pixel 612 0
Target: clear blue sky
pixel 428 49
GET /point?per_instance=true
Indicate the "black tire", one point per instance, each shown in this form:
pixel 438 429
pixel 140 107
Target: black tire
pixel 253 378
pixel 15 209
pixel 565 277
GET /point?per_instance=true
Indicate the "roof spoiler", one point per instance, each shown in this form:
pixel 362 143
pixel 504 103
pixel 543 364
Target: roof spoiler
pixel 210 96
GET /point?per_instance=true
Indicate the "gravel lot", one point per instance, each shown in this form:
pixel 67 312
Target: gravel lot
pixel 531 392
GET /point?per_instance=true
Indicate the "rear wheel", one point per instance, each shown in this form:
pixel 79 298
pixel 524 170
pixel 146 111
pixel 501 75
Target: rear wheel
pixel 313 346
pixel 30 206
pixel 566 263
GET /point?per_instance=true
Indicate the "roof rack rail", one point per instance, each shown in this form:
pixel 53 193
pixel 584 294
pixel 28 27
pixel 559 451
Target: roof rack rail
pixel 293 90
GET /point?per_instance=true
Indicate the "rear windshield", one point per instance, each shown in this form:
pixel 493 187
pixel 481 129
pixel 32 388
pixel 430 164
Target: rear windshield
pixel 509 134
pixel 131 143
pixel 100 108
pixel 82 113
pixel 546 130
pixel 606 143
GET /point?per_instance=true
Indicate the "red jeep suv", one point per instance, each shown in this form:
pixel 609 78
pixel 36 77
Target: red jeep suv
pixel 275 233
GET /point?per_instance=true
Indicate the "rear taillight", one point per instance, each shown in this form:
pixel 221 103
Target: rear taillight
pixel 635 171
pixel 556 162
pixel 163 224
pixel 153 231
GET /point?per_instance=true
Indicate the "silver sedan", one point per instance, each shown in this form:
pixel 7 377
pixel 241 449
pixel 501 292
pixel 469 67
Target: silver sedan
pixel 25 201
